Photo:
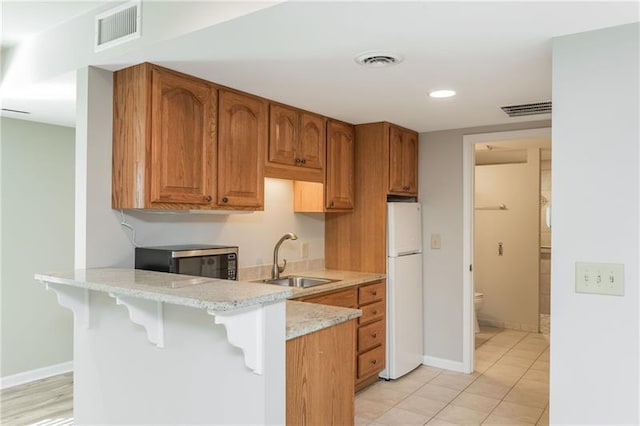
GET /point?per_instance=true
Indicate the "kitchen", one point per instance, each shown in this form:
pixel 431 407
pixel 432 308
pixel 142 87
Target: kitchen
pixel 361 143
pixel 111 247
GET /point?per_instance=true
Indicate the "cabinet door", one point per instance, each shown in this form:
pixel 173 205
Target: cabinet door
pixel 182 139
pixel 339 180
pixel 403 161
pixel 242 133
pixel 311 149
pixel 410 162
pixel 283 134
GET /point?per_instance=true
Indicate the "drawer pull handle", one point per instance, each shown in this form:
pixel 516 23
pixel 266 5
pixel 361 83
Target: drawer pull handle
pixel 375 293
pixel 375 312
pixel 373 362
pixel 374 335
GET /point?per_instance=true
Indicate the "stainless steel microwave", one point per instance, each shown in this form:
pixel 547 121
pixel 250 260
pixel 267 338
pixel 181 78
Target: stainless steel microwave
pixel 200 260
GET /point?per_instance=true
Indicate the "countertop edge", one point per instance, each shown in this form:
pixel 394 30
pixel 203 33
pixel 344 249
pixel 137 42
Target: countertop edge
pixel 305 318
pixel 223 306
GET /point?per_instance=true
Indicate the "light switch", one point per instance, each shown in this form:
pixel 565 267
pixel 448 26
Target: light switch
pixel 600 278
pixel 435 241
pixel 304 249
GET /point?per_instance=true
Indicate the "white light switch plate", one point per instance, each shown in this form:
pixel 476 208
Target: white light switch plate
pixel 436 243
pixel 600 278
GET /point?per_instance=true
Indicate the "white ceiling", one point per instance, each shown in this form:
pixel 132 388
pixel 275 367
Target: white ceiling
pixel 302 53
pixel 21 19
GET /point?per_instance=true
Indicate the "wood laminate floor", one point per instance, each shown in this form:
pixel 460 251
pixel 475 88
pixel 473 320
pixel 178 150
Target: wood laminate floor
pixel 44 402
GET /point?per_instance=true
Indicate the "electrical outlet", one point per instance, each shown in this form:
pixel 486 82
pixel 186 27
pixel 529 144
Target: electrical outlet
pixel 600 278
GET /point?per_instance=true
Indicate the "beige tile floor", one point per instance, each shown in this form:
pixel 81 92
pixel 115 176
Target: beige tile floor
pixel 510 386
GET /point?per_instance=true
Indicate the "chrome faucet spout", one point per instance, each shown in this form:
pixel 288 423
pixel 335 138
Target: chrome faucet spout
pixel 276 269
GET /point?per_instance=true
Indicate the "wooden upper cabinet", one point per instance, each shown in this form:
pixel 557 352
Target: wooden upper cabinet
pixel 339 181
pixel 182 139
pixel 311 147
pixel 403 161
pixel 296 146
pixel 242 134
pixel 284 132
pixel 163 140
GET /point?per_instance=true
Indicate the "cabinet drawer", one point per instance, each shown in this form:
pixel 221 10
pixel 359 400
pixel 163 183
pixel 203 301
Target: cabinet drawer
pixel 345 298
pixel 370 362
pixel 370 336
pixel 370 293
pixel 372 312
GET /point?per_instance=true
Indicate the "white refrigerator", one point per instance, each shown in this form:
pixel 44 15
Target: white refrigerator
pixel 404 289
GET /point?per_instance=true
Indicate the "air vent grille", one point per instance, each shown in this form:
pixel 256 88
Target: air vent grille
pixel 118 25
pixel 527 109
pixel 378 59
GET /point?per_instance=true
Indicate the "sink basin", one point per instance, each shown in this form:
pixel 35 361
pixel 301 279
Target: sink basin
pixel 303 282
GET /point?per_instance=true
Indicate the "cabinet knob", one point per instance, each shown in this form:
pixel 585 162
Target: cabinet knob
pixel 297 161
pixel 331 204
pixel 303 161
pixel 374 335
pixel 374 312
pixel 374 293
pixel 207 198
pixel 374 362
pixel 225 200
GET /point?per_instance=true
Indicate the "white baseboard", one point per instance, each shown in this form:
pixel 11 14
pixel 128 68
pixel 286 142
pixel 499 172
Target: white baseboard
pixel 446 364
pixel 37 374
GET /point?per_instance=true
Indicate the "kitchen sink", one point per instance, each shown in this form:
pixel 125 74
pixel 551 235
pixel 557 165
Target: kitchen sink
pixel 295 281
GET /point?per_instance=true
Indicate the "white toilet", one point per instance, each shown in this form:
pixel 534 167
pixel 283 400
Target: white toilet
pixel 477 304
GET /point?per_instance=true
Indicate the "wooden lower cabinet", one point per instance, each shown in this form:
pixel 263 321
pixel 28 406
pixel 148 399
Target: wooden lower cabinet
pixel 372 333
pixel 370 340
pixel 320 370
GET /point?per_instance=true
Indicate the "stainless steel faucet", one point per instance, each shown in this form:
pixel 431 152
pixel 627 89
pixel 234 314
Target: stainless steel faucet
pixel 277 270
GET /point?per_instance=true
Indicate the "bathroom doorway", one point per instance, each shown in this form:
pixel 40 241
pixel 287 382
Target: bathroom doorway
pixel 502 246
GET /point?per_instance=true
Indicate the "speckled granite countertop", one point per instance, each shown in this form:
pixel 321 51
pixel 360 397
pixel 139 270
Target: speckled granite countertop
pixel 344 279
pixel 197 292
pixel 304 318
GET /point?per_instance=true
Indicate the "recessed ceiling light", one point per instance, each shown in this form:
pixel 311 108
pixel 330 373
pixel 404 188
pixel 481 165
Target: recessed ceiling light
pixel 378 58
pixel 442 93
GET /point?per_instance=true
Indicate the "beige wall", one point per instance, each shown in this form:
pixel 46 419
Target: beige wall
pixel 509 281
pixel 37 236
pixel 441 163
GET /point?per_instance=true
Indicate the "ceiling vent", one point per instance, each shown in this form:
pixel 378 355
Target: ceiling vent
pixel 117 26
pixel 527 109
pixel 378 59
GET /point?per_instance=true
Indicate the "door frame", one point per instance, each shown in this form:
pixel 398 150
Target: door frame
pixel 468 185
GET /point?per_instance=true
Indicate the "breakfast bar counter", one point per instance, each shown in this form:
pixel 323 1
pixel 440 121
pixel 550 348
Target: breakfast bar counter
pixel 159 348
pixel 153 347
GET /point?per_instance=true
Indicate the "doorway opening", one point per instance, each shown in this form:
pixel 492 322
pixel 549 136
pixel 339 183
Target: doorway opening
pixel 507 162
